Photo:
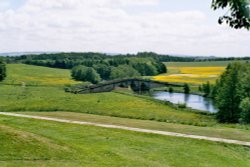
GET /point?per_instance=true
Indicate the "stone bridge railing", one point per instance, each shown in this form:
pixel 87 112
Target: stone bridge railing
pixel 134 83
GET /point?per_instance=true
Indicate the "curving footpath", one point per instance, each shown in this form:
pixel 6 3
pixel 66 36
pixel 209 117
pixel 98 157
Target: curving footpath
pixel 214 139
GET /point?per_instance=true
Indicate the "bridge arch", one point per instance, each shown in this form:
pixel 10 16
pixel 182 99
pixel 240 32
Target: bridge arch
pixel 135 84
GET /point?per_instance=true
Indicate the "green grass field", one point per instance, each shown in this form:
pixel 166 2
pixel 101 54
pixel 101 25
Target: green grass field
pixel 236 132
pixel 26 142
pixel 21 74
pixel 52 98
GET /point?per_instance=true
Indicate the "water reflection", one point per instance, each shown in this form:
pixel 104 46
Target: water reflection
pixel 192 101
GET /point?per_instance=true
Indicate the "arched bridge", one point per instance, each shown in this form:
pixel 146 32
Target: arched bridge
pixel 134 83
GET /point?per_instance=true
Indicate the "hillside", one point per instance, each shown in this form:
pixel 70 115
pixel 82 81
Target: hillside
pixel 28 142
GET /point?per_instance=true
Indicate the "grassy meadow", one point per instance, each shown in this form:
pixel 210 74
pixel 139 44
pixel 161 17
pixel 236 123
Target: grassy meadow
pixel 193 72
pixel 18 98
pixel 37 90
pixel 21 74
pixel 47 96
pixel 28 142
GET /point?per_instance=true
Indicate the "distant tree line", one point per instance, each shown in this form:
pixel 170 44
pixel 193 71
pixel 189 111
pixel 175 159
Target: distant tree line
pixel 69 60
pixel 2 70
pixel 94 67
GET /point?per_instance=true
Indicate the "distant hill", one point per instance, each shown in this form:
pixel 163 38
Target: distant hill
pixel 24 53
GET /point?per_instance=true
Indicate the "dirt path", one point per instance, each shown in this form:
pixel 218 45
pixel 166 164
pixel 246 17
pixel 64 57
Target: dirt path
pixel 214 139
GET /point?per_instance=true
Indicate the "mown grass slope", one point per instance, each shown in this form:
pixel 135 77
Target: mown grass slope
pixel 43 143
pixel 235 132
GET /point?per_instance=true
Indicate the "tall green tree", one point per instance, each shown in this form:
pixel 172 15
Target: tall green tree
pixel 227 96
pixel 2 70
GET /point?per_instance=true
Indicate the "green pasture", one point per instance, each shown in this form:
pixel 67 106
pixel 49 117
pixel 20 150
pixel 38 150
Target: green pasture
pixel 18 98
pixel 21 74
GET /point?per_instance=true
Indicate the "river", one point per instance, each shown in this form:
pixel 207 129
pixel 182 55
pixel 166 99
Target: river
pixel 193 101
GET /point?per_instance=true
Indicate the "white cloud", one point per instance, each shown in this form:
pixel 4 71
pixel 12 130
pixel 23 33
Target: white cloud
pixel 106 26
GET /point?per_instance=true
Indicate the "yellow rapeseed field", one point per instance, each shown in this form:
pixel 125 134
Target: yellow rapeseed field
pixel 194 75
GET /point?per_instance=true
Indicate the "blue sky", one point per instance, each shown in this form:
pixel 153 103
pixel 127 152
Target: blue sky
pixel 187 27
pixel 10 4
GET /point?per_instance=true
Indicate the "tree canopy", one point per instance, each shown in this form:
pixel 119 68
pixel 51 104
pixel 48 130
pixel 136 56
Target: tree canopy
pixel 123 71
pixel 238 15
pixel 87 74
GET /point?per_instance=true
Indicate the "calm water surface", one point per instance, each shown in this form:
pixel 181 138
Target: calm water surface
pixel 192 101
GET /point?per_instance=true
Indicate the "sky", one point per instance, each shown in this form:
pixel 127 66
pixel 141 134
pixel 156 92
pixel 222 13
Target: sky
pixel 182 27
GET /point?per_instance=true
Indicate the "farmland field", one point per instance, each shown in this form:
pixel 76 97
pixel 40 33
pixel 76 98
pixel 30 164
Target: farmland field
pixel 193 72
